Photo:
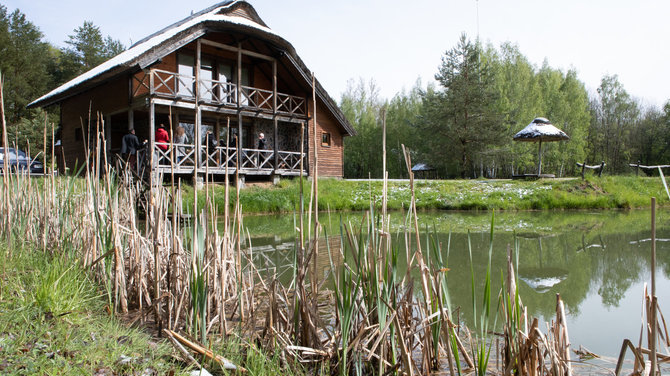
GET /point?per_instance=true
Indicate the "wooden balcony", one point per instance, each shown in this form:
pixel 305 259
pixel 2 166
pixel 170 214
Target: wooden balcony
pixel 175 86
pixel 224 160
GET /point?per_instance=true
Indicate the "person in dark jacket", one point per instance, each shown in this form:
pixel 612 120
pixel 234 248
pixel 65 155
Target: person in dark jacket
pixel 130 144
pixel 261 141
pixel 210 145
pixel 261 146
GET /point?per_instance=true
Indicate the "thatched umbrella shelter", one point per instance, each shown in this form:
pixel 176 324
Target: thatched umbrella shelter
pixel 540 130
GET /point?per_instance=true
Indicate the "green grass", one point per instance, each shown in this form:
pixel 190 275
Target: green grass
pixel 255 360
pixel 53 321
pixel 611 192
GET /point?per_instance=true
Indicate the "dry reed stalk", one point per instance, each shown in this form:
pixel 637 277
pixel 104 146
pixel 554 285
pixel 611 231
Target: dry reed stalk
pixel 226 238
pixel 652 319
pixel 44 193
pixel 5 172
pixel 315 194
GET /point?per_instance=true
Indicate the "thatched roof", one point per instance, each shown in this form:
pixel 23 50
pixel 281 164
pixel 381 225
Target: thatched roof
pixel 422 167
pixel 540 129
pixel 149 50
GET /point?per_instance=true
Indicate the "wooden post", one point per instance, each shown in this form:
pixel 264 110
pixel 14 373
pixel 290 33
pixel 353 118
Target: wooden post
pixel 238 93
pixel 583 167
pixel 151 82
pixel 539 156
pixel 197 142
pixel 652 340
pixel 217 131
pixel 152 212
pixel 602 166
pixel 108 133
pixel 637 168
pixel 274 112
pixel 152 143
pixel 315 176
pixel 239 76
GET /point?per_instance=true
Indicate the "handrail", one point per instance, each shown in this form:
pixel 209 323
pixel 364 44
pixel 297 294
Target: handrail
pixel 222 157
pixel 164 83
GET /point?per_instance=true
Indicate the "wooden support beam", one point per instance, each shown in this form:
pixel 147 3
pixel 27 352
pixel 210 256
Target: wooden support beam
pixel 648 167
pixel 196 141
pixel 131 119
pixel 239 76
pixel 152 140
pixel 108 132
pixel 237 49
pixel 240 161
pixel 274 112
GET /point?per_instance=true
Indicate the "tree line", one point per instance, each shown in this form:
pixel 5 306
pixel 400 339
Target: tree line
pixel 462 126
pixel 31 67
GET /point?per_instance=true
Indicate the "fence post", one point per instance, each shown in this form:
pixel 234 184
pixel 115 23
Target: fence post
pixel 637 167
pixel 583 167
pixel 602 166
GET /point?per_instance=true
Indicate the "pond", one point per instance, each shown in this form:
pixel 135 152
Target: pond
pixel 597 261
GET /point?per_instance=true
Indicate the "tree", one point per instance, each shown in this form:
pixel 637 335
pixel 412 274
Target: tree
pixel 86 49
pixel 402 115
pixel 565 103
pixel 461 122
pixel 614 115
pixel 361 105
pixel 650 139
pixel 23 61
pixel 519 101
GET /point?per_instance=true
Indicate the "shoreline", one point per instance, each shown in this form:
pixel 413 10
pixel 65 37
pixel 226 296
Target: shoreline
pixel 335 195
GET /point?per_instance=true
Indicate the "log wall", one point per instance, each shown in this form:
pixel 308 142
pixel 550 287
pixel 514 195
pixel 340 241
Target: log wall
pixel 109 98
pixel 330 161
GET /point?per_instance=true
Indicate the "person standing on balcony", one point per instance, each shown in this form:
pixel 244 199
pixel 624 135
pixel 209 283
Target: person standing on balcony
pixel 261 141
pixel 210 147
pixel 180 140
pixel 162 139
pixel 130 144
pixel 261 147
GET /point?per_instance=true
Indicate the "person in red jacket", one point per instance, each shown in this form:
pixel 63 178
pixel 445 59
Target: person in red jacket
pixel 163 137
pixel 162 140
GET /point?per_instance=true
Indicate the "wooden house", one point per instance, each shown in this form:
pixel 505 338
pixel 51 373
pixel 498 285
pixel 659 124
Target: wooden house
pixel 220 70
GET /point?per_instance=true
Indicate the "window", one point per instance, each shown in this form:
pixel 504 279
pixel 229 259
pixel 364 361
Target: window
pixel 206 79
pixel 325 139
pixel 226 92
pixel 186 79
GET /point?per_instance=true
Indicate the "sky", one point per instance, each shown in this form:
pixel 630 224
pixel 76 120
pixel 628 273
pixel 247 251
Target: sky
pixel 395 43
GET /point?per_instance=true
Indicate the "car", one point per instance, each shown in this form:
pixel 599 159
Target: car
pixel 19 161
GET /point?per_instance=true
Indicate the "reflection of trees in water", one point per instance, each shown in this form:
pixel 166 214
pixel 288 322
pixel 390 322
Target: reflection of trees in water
pixel 618 268
pixel 583 254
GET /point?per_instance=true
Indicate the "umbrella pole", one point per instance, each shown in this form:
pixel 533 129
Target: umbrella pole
pixel 539 164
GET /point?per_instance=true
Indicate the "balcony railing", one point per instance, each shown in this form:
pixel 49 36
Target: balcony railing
pixel 220 93
pixel 224 158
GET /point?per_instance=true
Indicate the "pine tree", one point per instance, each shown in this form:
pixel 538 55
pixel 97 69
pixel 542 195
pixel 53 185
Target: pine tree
pixel 461 121
pixel 86 49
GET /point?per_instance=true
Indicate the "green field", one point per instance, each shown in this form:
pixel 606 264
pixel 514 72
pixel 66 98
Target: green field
pixel 613 192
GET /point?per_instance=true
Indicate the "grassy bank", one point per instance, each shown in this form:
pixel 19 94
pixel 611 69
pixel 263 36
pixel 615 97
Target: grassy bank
pixel 594 193
pixel 53 320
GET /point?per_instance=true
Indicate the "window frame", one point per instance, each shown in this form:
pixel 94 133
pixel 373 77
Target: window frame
pixel 326 139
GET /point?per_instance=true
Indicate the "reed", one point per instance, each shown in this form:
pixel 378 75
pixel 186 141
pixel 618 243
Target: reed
pixel 193 276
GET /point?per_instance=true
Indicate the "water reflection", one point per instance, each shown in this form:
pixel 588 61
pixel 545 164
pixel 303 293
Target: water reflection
pixel 597 261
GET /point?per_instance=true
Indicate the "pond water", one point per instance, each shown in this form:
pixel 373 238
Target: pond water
pixel 597 261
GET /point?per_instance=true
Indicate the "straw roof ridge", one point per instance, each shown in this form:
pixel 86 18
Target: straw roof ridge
pixel 540 129
pixel 152 48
